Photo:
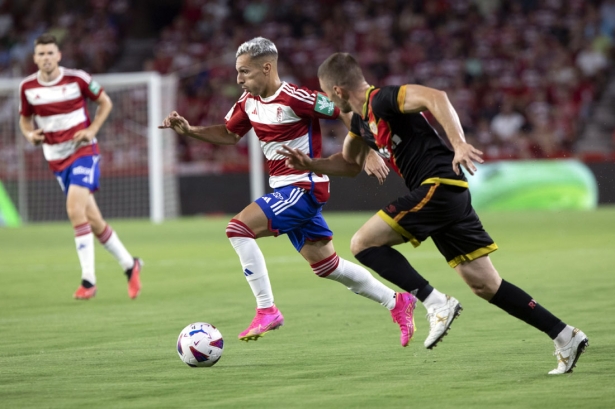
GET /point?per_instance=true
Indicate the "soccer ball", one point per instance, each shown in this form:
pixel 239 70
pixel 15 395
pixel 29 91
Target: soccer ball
pixel 200 344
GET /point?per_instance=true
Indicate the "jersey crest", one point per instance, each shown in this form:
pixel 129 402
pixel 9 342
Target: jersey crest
pixel 280 114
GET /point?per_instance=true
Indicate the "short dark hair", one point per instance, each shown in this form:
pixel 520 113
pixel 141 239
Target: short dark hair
pixel 46 39
pixel 341 69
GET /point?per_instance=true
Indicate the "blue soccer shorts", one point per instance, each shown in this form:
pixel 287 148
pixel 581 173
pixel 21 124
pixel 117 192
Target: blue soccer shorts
pixel 84 171
pixel 294 211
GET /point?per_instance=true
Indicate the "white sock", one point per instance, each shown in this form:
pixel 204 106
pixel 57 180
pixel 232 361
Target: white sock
pixel 434 299
pixel 255 269
pixel 356 279
pixel 564 336
pixel 109 239
pixel 84 242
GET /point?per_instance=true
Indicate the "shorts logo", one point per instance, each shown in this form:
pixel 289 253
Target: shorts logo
pixel 81 170
pixel 278 195
pixel 280 114
pixel 532 304
pixel 391 209
pixel 94 87
pixel 324 105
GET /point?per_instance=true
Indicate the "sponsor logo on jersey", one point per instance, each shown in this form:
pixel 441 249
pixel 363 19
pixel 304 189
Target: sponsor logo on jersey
pixel 94 87
pixel 395 140
pixel 254 112
pixel 324 105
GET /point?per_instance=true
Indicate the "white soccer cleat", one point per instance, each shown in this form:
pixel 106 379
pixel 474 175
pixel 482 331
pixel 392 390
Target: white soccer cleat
pixel 440 319
pixel 569 354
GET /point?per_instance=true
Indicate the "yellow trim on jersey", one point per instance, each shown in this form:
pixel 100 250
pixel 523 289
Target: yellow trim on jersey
pixel 353 135
pixel 473 255
pixel 395 226
pixel 444 181
pixel 401 98
pixel 367 100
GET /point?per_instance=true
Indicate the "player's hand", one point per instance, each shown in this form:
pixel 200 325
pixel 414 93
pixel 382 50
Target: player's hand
pixel 35 137
pixel 84 135
pixel 176 122
pixel 376 166
pixel 466 155
pixel 295 159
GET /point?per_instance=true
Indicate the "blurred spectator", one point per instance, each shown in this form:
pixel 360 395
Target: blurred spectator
pixel 523 75
pixel 90 33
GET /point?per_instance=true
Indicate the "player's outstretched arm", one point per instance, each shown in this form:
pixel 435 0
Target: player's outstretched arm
pixel 374 164
pixel 349 162
pixel 419 98
pixel 216 134
pixel 34 136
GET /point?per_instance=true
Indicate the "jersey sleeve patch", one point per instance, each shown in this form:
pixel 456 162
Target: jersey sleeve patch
pixel 94 87
pixel 324 105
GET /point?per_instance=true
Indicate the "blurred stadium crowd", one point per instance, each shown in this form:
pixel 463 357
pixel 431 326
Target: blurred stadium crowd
pixel 523 75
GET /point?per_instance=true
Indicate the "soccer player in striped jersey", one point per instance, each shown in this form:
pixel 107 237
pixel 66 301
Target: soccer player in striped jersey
pixel 438 204
pixel 53 113
pixel 282 113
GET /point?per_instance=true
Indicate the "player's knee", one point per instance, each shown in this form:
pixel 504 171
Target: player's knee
pixel 236 228
pixel 75 212
pixel 358 243
pixel 483 289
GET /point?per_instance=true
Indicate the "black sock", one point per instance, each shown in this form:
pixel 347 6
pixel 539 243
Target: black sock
pixel 86 284
pixel 128 273
pixel 393 267
pixel 521 305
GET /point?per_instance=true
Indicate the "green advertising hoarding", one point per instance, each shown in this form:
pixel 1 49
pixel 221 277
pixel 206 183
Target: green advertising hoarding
pixel 540 184
pixel 8 213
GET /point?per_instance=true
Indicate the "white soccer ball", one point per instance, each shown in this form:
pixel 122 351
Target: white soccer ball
pixel 200 344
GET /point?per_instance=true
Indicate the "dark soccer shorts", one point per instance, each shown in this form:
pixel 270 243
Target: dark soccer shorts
pixel 444 213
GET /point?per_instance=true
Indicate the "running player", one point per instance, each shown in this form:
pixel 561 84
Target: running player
pixel 282 113
pixel 54 98
pixel 389 119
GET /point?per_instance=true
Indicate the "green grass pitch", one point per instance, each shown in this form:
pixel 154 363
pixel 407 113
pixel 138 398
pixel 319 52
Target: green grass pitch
pixel 336 350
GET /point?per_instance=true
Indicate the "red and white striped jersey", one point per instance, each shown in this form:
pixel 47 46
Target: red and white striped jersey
pixel 288 117
pixel 59 109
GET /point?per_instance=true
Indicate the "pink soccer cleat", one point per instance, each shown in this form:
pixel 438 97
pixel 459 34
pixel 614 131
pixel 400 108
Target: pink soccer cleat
pixel 83 293
pixel 403 314
pixel 266 319
pixel 134 282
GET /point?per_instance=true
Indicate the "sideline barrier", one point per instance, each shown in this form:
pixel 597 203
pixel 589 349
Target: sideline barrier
pixel 8 213
pixel 539 184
